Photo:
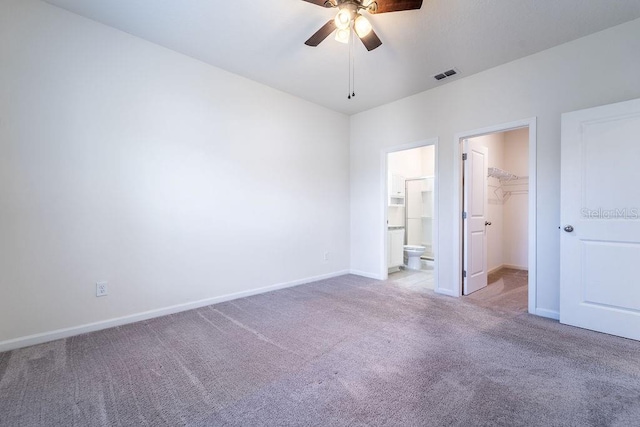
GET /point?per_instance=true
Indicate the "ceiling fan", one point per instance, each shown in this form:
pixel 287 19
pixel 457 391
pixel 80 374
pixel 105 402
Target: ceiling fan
pixel 349 17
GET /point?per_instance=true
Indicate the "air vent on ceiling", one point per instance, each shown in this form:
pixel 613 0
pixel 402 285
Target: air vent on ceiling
pixel 448 73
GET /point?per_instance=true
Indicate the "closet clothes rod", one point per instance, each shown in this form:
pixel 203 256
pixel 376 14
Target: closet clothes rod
pixel 502 175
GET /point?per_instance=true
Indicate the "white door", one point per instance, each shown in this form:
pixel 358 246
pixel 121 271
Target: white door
pixel 600 214
pixel 475 208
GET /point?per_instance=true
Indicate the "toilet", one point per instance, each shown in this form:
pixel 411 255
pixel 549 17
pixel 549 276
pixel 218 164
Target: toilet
pixel 412 256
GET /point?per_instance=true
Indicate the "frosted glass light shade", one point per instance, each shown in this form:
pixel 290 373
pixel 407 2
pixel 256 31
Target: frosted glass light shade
pixel 343 19
pixel 362 26
pixel 342 35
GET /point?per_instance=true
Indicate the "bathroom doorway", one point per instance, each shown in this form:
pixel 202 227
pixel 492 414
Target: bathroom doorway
pixel 410 216
pixel 497 216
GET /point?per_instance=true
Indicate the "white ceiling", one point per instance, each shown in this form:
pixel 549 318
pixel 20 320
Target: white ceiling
pixel 264 40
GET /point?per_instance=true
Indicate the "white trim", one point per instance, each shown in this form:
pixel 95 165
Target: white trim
pixel 551 314
pixel 384 271
pixel 132 318
pixel 366 274
pixel 436 222
pixel 515 267
pixel 533 215
pixel 511 266
pixel 531 123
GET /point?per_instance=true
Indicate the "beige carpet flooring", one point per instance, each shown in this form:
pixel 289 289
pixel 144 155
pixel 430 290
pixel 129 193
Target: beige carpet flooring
pixel 507 291
pixel 347 351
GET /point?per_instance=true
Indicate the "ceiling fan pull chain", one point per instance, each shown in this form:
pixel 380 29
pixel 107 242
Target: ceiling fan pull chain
pixel 350 43
pixel 353 67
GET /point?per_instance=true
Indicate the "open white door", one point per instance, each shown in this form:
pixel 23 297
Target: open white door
pixel 600 213
pixel 475 217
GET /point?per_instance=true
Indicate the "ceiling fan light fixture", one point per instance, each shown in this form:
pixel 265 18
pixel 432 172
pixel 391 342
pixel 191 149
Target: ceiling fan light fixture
pixel 362 26
pixel 343 19
pixel 342 35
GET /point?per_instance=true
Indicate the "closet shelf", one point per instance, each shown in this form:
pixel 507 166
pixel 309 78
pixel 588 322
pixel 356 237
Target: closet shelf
pixel 509 184
pixel 501 174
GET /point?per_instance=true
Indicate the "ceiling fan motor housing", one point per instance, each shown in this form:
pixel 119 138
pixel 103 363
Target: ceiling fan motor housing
pixel 355 4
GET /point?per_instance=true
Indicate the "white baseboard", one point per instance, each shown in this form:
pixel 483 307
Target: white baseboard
pixel 365 274
pixel 516 267
pixel 132 318
pixel 511 266
pixel 551 314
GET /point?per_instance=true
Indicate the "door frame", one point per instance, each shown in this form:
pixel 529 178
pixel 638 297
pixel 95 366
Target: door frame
pixel 531 123
pixel 384 197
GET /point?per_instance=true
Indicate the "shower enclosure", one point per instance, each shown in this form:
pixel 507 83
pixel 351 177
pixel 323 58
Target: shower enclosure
pixel 419 213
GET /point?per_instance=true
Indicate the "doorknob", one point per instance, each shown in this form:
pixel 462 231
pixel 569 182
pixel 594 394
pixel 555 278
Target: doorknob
pixel 568 228
pixel 487 223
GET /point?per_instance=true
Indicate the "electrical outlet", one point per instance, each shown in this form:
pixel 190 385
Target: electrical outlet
pixel 326 256
pixel 102 289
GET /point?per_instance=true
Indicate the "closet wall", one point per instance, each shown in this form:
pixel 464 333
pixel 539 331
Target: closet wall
pixel 507 203
pixel 516 207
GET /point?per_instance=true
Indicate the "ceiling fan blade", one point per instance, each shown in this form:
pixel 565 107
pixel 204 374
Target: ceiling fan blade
pixel 385 6
pixel 323 3
pixel 371 40
pixel 321 34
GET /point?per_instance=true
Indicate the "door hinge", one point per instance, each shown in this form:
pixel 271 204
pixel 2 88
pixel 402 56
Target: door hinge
pixel 464 215
pixel 464 273
pixel 464 156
